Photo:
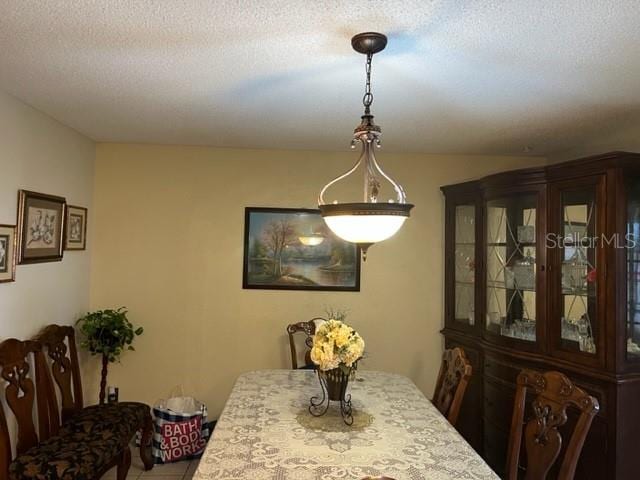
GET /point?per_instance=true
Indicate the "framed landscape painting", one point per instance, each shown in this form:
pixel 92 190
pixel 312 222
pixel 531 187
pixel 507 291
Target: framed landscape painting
pixel 40 227
pixel 7 253
pixel 76 228
pixel 292 249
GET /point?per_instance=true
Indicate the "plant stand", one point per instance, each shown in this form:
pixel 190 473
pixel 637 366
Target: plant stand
pixel 103 378
pixel 334 385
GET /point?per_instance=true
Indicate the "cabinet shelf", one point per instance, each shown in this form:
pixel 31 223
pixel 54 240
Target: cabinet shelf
pixel 574 264
pixel 578 293
pixel 504 244
pixel 502 286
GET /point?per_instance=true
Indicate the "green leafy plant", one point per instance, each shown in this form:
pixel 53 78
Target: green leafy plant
pixel 107 333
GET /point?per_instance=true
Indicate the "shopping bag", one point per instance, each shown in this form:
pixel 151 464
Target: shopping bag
pixel 180 429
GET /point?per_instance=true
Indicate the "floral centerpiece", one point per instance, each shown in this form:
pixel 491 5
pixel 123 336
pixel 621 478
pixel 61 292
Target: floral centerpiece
pixel 336 349
pixel 336 345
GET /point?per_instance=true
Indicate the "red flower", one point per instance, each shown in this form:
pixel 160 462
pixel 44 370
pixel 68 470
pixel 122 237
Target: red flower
pixel 591 275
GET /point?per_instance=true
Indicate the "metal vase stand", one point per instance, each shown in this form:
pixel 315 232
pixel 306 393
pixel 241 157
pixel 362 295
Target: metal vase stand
pixel 334 385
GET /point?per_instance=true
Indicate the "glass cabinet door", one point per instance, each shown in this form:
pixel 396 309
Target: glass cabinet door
pixel 578 243
pixel 464 264
pixel 510 226
pixel 633 268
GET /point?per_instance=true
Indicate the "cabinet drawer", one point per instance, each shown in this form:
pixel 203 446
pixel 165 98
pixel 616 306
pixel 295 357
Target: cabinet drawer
pixel 498 404
pixel 501 370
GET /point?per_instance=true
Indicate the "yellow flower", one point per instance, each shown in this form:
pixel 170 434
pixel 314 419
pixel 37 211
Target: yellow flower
pixel 342 337
pixel 336 343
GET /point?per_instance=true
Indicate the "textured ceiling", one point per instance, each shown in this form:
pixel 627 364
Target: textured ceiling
pixel 457 76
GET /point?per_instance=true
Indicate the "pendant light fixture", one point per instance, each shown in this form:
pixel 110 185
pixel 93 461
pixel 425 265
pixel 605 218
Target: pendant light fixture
pixel 371 221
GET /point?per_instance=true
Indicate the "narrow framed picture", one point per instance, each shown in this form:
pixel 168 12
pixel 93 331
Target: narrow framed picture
pixel 76 228
pixel 41 220
pixel 7 253
pixel 292 249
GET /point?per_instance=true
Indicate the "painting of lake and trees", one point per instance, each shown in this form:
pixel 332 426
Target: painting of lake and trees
pixel 294 249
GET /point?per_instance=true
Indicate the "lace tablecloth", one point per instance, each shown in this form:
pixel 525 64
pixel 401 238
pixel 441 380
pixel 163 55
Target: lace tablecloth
pixel 266 433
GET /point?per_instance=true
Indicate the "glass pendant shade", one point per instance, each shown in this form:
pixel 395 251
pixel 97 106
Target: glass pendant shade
pixel 371 220
pixel 364 229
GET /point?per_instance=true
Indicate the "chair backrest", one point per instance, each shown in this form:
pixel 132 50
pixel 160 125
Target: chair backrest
pixel 554 394
pixel 455 372
pixel 454 375
pixel 59 344
pixel 21 395
pixel 309 329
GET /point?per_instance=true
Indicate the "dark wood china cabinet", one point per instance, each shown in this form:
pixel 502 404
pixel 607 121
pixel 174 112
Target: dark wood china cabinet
pixel 542 271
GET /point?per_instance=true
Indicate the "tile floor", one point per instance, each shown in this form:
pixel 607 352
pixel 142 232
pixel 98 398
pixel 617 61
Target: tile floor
pixel 171 471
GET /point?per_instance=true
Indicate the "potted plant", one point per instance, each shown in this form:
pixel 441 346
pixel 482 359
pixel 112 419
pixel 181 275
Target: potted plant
pixel 108 333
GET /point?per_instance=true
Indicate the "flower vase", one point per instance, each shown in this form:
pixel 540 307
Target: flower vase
pixel 334 384
pixel 337 381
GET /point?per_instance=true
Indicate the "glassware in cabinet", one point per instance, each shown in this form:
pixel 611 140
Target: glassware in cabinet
pixel 465 263
pixel 632 242
pixel 578 241
pixel 510 227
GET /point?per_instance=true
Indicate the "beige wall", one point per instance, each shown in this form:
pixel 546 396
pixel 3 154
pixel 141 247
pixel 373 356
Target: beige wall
pixel 168 244
pixel 38 153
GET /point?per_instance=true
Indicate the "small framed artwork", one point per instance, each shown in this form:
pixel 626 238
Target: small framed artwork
pixel 7 253
pixel 40 227
pixel 76 228
pixel 293 249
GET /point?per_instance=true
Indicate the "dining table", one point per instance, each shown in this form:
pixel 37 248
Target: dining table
pixel 266 432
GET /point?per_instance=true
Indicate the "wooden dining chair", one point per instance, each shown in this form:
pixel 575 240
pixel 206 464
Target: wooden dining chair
pixel 23 393
pixel 542 440
pixel 125 418
pixel 455 372
pixel 308 329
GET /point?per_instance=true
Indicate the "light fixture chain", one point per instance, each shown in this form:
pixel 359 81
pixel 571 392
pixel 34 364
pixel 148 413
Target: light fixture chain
pixel 367 99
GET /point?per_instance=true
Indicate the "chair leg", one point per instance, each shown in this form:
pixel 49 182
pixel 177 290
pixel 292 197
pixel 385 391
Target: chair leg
pixel 145 442
pixel 124 464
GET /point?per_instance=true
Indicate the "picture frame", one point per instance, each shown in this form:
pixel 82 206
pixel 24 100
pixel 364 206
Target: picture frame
pixel 8 246
pixel 76 228
pixel 41 224
pixel 293 249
